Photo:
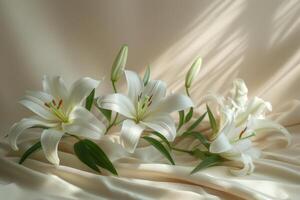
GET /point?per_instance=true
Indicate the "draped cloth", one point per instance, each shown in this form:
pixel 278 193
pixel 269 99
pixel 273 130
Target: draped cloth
pixel 257 41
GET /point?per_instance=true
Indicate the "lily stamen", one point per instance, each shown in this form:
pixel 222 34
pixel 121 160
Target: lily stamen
pixel 143 104
pixel 59 103
pixel 56 109
pixel 151 97
pixel 53 102
pixel 243 131
pixel 139 96
pixel 251 135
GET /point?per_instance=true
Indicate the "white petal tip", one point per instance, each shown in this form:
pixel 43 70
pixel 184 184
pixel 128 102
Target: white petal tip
pixel 93 82
pixel 99 136
pixel 130 150
pixel 54 162
pixel 15 148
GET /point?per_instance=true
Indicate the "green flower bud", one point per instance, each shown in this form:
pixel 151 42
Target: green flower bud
pixel 119 64
pixel 193 71
pixel 146 76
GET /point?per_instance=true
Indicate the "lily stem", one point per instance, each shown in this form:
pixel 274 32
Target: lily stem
pixel 112 123
pixel 187 91
pixel 114 86
pixel 117 114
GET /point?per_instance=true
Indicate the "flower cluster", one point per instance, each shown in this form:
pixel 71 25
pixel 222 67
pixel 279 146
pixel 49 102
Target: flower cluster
pixel 240 120
pixel 144 112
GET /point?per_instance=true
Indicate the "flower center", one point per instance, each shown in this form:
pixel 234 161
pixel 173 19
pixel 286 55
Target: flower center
pixel 242 134
pixel 56 109
pixel 143 103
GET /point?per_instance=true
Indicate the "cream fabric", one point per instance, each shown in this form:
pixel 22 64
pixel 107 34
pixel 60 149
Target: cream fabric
pixel 254 40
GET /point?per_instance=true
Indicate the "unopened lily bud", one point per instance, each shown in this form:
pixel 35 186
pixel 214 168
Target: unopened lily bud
pixel 119 64
pixel 193 71
pixel 146 76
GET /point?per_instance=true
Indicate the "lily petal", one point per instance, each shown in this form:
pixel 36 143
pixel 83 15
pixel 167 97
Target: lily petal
pixel 242 145
pixel 83 114
pixel 118 103
pixel 42 96
pixel 264 125
pixel 254 152
pixel 173 103
pixel 18 128
pixel 37 107
pixel 248 166
pixel 157 90
pixel 83 129
pixel 256 107
pixel 227 124
pixel 80 90
pixel 83 123
pixel 49 140
pixel 239 93
pixel 130 135
pixel 220 144
pixel 162 123
pixel 134 84
pixel 55 86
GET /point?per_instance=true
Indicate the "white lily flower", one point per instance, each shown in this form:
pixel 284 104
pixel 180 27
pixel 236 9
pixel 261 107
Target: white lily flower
pixel 144 107
pixel 240 120
pixel 61 111
pixel 234 143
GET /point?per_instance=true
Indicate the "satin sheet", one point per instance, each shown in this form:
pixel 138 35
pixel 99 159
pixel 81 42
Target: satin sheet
pixel 254 40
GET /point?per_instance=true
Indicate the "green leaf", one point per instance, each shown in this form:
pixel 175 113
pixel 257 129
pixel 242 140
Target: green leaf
pixel 199 154
pixel 99 156
pixel 199 136
pixel 207 162
pixel 197 122
pixel 146 76
pixel 160 148
pixel 189 116
pixel 43 127
pixel 163 138
pixel 106 113
pixel 83 153
pixel 212 120
pixel 89 100
pixel 29 151
pixel 181 119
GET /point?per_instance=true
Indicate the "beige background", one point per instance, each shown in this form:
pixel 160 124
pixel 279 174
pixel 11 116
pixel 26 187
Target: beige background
pixel 256 40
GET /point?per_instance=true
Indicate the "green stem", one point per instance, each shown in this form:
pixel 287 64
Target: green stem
pixel 119 122
pixel 112 123
pixel 187 91
pixel 181 150
pixel 114 86
pixel 117 114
